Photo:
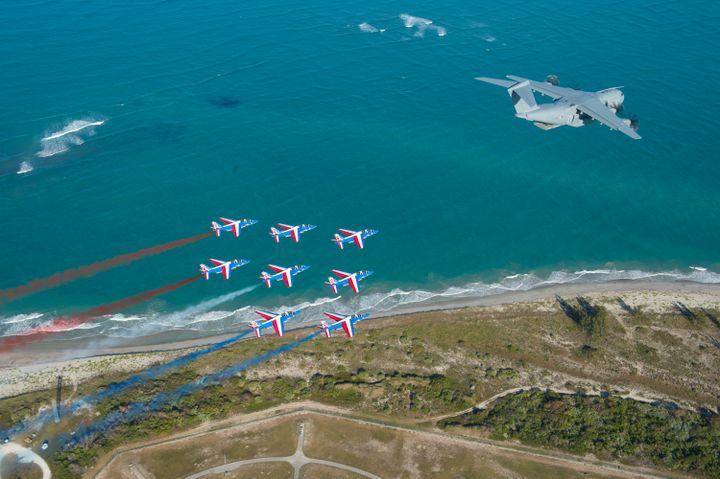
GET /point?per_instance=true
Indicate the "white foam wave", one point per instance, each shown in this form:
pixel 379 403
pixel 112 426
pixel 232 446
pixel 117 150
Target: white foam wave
pixel 25 167
pixel 21 318
pixel 203 319
pixel 73 133
pixel 421 25
pixel 73 127
pixel 367 28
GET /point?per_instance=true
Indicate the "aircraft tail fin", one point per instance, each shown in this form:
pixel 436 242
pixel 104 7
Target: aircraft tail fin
pixel 216 228
pixel 338 240
pixel 522 97
pixel 275 234
pixel 205 271
pixel 333 284
pixel 325 329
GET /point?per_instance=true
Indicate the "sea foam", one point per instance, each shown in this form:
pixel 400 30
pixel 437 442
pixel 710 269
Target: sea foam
pixel 73 133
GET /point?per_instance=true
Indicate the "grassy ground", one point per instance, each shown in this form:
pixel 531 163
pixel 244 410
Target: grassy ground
pixel 411 368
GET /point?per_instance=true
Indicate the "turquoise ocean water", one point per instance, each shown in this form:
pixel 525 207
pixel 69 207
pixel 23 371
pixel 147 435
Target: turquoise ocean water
pixel 288 111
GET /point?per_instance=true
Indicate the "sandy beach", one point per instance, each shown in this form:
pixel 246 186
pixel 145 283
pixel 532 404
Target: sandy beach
pixel 37 366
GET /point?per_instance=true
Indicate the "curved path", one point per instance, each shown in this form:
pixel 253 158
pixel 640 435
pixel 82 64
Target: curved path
pixel 25 455
pixel 297 461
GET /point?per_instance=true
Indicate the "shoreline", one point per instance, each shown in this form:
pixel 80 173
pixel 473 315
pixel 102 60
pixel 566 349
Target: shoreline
pixel 54 351
pixel 39 361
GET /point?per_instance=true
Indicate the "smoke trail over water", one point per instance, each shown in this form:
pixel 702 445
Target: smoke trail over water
pixel 63 324
pixel 135 410
pixel 70 275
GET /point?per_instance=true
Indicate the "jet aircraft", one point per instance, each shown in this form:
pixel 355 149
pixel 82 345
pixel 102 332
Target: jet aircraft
pixel 570 107
pixel 222 267
pixel 347 279
pixel 289 231
pixel 231 225
pixel 282 273
pixel 273 320
pixel 344 321
pixel 358 237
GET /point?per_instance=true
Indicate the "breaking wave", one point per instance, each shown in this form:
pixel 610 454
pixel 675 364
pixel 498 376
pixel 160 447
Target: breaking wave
pixel 25 167
pixel 73 133
pixel 367 28
pixel 204 319
pixel 421 25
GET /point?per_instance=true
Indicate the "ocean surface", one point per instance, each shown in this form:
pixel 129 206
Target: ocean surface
pixel 125 125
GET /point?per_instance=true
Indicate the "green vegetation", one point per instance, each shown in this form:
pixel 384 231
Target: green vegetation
pixel 414 367
pixel 605 426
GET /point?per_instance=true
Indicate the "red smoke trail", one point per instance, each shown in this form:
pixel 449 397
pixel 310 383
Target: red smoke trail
pixel 63 324
pixel 89 270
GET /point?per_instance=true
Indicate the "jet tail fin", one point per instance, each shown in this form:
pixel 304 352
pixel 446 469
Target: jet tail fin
pixel 522 97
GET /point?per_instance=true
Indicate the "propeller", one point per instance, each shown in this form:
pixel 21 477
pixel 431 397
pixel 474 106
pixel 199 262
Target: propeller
pixel 634 122
pixel 552 79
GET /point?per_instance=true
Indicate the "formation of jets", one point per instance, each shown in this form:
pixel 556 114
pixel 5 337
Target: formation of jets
pixel 286 274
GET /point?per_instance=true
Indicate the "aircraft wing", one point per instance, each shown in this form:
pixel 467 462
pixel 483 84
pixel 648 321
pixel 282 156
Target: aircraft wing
pixel 284 227
pixel 265 314
pixel 347 232
pixel 277 269
pixel 359 241
pixel 545 88
pixel 217 262
pixel 353 282
pixel 278 326
pixel 496 81
pixel 602 114
pixel 226 221
pixel 295 235
pixel 340 274
pixel 334 317
pixel 349 329
pixel 226 271
pixel 287 276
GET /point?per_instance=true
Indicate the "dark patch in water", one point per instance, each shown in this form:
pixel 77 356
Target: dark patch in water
pixel 224 101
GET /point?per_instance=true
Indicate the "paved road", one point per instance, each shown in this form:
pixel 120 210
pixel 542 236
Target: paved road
pixel 297 461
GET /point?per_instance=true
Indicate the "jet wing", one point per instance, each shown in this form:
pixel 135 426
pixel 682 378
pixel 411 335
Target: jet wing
pixel 498 82
pixel 277 269
pixel 353 282
pixel 601 113
pixel 266 314
pixel 340 274
pixel 226 271
pixel 287 276
pixel 545 88
pixel 349 329
pixel 226 221
pixel 347 232
pixel 278 326
pixel 334 317
pixel 284 227
pixel 295 235
pixel 217 262
pixel 359 241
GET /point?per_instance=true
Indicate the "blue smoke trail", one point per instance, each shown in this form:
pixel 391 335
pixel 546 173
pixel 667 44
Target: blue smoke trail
pixel 115 418
pixel 115 388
